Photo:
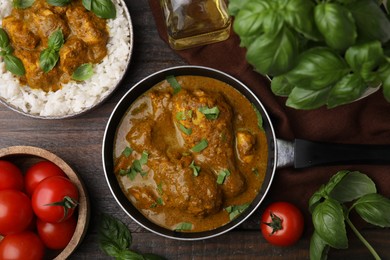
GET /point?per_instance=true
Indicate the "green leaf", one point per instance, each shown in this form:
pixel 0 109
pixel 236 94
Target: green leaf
pixel 113 235
pixel 222 174
pixel 317 198
pixel 281 86
pixel 128 255
pixel 235 6
pixel 210 113
pixel 58 2
pixel 195 168
pixel 48 59
pixel 336 24
pixel 22 4
pixel 328 221
pixel 87 4
pixel 103 8
pixel 318 247
pixel 236 210
pixel 127 151
pixel 56 40
pixel 317 68
pixel 14 65
pixel 384 75
pixel 174 84
pixel 348 89
pixel 352 186
pixel 375 209
pixel 184 226
pixel 273 55
pixel 365 58
pixel 4 40
pixel 83 72
pixel 200 146
pixel 371 21
pixel 300 98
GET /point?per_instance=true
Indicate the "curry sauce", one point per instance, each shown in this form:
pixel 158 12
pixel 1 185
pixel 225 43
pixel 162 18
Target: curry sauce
pixel 190 159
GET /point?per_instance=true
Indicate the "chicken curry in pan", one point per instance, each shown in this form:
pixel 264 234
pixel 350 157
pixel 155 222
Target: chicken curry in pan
pixel 79 37
pixel 191 153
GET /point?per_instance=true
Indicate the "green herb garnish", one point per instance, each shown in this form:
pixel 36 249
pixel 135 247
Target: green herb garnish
pixel 83 72
pixel 236 210
pixel 115 240
pixel 159 188
pixel 330 211
pixel 127 151
pixel 259 118
pixel 210 113
pixel 222 174
pixel 200 146
pixel 102 8
pixel 136 167
pixel 187 131
pixel 49 56
pixel 174 84
pixel 195 168
pixel 22 4
pixel 184 226
pixel 184 115
pixel 12 63
pixel 58 2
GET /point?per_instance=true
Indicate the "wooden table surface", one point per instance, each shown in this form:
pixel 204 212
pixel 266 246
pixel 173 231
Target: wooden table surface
pixel 79 141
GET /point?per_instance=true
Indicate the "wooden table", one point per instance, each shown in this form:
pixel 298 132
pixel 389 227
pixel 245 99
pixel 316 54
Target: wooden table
pixel 79 141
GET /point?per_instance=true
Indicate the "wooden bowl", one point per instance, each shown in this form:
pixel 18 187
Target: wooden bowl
pixel 26 156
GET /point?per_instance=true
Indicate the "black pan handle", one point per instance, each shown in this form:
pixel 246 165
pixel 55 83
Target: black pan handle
pixel 308 154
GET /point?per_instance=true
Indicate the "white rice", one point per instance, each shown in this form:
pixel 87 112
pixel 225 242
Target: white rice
pixel 74 97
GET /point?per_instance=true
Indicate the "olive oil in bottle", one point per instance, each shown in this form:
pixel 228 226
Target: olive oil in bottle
pixel 193 23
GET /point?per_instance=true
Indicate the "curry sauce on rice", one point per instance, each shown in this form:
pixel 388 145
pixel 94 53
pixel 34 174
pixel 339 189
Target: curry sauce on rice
pixel 71 57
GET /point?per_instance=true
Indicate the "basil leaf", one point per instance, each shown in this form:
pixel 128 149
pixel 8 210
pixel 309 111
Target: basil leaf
pixel 300 98
pixel 273 55
pixel 317 198
pixel 195 168
pixel 200 146
pixel 222 176
pixel 113 235
pixel 174 84
pixel 281 86
pixel 249 20
pixel 236 5
pixel 317 68
pixel 318 247
pixel 87 4
pixel 375 209
pixel 83 72
pixel 348 89
pixel 127 254
pixel 22 4
pixel 328 221
pixel 48 59
pixel 14 65
pixel 210 113
pixel 56 40
pixel 365 58
pixel 336 24
pixel 371 21
pixel 183 226
pixel 58 2
pixel 384 75
pixel 127 151
pixel 352 186
pixel 103 8
pixel 4 40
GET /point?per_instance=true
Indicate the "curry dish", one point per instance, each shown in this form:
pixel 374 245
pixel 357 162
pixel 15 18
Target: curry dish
pixel 85 39
pixel 191 159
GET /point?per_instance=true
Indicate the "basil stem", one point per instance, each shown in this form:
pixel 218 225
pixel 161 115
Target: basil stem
pixel 83 72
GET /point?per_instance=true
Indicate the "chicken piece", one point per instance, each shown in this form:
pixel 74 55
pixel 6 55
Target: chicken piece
pixel 87 26
pixel 145 196
pixel 219 153
pixel 19 34
pixel 245 143
pixel 72 55
pixel 35 76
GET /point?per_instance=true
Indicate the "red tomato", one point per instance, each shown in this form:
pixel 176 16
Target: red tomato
pixel 282 224
pixel 54 199
pixel 23 246
pixel 56 235
pixel 39 172
pixel 10 176
pixel 15 211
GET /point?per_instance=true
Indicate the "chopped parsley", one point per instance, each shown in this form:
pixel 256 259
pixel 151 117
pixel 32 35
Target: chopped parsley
pixel 236 210
pixel 136 167
pixel 210 113
pixel 222 176
pixel 200 146
pixel 174 84
pixel 195 168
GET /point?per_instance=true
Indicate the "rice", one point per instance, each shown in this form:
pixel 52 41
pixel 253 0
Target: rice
pixel 74 97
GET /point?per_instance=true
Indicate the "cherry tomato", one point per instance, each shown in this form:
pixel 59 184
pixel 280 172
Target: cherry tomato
pixel 15 211
pixel 56 235
pixel 10 176
pixel 38 172
pixel 54 199
pixel 24 246
pixel 282 224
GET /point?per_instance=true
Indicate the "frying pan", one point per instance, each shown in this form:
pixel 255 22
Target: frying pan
pixel 281 153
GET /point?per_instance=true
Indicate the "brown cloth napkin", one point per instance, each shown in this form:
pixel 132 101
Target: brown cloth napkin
pixel 363 122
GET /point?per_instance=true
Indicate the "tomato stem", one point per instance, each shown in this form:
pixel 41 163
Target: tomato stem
pixel 67 203
pixel 275 224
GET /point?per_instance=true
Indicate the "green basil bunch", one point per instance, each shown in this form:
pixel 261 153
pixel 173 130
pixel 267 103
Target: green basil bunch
pixel 330 212
pixel 50 56
pixel 316 52
pixel 12 63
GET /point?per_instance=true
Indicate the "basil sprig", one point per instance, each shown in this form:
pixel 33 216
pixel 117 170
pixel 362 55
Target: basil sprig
pixel 330 213
pixel 50 56
pixel 102 8
pixel 12 63
pixel 22 4
pixel 115 240
pixel 318 53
